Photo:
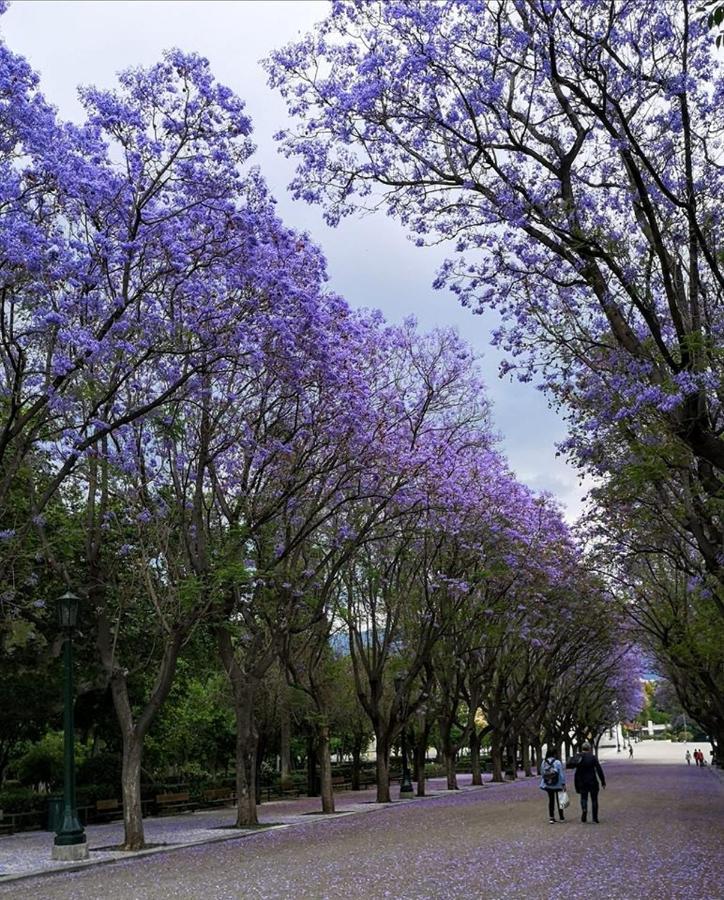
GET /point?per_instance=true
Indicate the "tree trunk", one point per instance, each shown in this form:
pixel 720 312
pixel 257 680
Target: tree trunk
pixel 420 759
pixel 134 837
pixel 382 754
pixel 421 744
pixel 259 754
pixel 246 741
pixel 325 769
pixel 526 758
pixel 496 757
pixel 475 757
pixel 134 733
pixel 312 778
pixel 513 761
pixel 450 773
pixel 356 757
pixel 285 738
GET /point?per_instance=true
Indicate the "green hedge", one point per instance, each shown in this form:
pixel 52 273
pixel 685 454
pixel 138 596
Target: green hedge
pixel 18 800
pixel 89 794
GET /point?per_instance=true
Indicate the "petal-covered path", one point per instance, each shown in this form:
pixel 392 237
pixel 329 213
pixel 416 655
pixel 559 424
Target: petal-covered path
pixel 661 836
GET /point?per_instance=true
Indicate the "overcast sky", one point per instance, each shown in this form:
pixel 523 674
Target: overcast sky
pixel 371 263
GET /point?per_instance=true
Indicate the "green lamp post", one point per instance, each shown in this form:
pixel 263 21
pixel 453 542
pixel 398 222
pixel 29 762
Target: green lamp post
pixel 70 840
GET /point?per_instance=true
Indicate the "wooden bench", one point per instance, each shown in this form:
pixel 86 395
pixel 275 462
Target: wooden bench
pixel 171 803
pixel 220 796
pixel 108 809
pixel 293 790
pixel 340 783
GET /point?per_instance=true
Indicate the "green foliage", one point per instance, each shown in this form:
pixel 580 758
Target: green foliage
pixel 104 768
pixel 20 800
pixel 89 794
pixel 29 696
pixel 194 733
pixel 43 762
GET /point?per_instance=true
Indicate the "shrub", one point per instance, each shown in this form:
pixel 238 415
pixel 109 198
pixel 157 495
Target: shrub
pixel 18 800
pixel 105 768
pixel 43 763
pixel 89 794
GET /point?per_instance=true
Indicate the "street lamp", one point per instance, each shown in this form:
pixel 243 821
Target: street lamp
pixel 70 841
pixel 406 790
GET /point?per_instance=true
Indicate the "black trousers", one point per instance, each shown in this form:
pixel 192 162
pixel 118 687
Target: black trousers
pixel 552 804
pixel 594 801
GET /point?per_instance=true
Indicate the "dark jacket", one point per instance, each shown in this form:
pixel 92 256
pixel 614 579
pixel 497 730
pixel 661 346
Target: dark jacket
pixel 586 771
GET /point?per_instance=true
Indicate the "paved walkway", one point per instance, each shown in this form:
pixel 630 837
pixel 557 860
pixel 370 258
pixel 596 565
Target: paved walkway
pixel 661 836
pixel 29 853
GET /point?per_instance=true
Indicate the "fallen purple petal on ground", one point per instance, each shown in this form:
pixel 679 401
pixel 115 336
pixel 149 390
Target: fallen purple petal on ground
pixel 660 836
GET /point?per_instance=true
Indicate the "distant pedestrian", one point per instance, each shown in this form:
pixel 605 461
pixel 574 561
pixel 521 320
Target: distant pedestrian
pixel 688 757
pixel 630 751
pixel 586 782
pixel 697 756
pixel 553 781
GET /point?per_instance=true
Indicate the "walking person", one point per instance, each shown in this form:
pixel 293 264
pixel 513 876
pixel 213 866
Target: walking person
pixel 552 781
pixel 588 775
pixel 630 751
pixel 688 757
pixel 697 757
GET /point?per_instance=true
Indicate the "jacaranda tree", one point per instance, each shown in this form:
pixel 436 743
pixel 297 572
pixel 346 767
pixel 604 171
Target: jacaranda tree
pixel 569 151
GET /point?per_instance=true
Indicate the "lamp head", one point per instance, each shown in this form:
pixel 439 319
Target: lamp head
pixel 68 610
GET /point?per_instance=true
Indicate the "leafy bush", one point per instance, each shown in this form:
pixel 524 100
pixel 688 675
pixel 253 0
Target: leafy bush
pixel 43 763
pixel 105 768
pixel 18 800
pixel 89 794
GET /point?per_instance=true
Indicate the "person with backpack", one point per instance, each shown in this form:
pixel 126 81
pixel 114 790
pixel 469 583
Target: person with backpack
pixel 586 781
pixel 552 781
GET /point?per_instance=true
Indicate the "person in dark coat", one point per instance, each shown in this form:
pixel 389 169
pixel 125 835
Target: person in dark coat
pixel 586 782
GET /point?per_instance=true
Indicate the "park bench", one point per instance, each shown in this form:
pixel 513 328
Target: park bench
pixel 340 783
pixel 171 803
pixel 293 790
pixel 219 796
pixel 108 809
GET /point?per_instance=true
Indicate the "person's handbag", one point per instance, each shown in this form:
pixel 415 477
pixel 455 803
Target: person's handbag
pixel 563 800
